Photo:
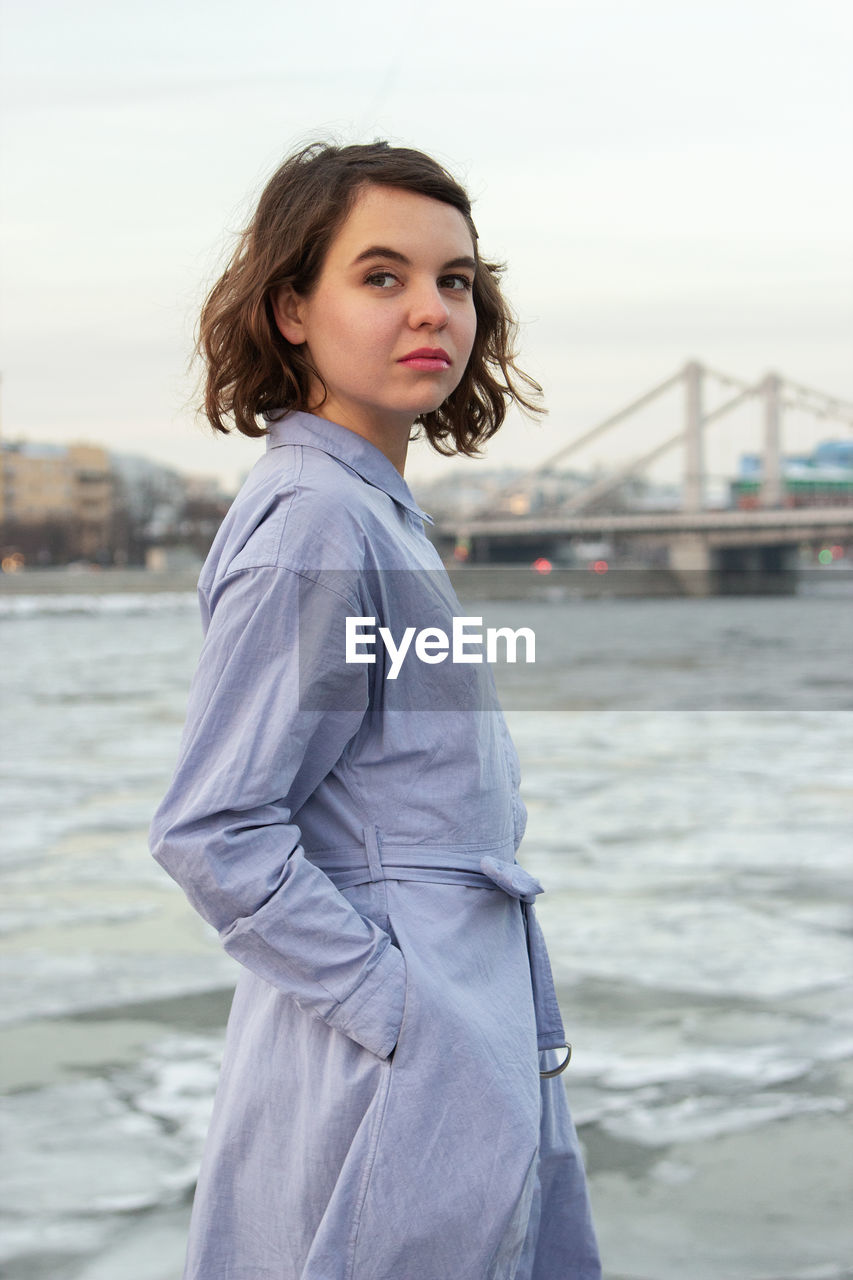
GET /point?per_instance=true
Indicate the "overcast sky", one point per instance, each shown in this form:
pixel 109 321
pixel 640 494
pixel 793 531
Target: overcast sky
pixel 665 179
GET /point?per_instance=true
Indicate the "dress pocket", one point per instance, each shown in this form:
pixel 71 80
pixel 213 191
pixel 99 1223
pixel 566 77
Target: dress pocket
pixel 406 1001
pixel 371 901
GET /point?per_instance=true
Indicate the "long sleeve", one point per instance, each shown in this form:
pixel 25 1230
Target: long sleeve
pixel 271 709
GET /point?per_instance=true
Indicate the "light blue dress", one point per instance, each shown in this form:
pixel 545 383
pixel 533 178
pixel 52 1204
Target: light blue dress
pixel 380 1113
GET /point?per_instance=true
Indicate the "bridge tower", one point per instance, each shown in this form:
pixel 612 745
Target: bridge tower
pixel 694 467
pixel 771 487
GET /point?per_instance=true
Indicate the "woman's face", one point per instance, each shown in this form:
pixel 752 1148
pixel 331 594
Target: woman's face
pixel 390 323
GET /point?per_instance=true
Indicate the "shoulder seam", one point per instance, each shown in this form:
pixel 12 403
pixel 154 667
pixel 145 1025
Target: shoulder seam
pixel 285 568
pixel 296 480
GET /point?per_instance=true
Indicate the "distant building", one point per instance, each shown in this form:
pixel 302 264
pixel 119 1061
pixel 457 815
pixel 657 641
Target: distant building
pixel 93 496
pixel 60 503
pixel 55 486
pixel 822 478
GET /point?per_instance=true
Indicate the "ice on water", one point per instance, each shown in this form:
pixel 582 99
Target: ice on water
pixel 695 851
pixel 89 1155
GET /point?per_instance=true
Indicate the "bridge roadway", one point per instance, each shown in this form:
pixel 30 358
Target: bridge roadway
pixel 717 528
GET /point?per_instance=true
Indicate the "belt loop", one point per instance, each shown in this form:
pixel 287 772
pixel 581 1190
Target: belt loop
pixel 374 860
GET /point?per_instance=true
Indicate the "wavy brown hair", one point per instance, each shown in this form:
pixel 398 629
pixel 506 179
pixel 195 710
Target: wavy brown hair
pixel 250 368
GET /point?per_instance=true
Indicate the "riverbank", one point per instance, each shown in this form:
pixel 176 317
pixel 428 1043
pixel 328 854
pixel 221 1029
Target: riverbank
pixel 95 582
pixel 472 582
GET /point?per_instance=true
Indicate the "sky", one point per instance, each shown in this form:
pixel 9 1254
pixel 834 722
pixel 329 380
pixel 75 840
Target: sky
pixel 665 181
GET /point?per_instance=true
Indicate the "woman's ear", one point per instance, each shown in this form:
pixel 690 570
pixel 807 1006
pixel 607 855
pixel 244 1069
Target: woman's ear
pixel 287 309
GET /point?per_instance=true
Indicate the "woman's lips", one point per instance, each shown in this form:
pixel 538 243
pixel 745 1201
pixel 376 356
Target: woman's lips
pixel 428 358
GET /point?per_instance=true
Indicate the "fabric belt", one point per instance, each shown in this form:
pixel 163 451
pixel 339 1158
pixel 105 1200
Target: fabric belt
pixel 378 861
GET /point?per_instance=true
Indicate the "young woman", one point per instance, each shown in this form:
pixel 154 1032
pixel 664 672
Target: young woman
pixel 389 1106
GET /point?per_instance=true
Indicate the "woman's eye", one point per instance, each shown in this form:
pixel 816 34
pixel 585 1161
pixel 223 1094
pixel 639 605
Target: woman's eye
pixel 382 279
pixel 458 284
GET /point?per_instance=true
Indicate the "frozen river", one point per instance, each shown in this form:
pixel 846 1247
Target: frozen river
pixel 687 769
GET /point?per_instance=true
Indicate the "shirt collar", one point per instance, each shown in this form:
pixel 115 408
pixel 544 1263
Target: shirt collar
pixel 352 450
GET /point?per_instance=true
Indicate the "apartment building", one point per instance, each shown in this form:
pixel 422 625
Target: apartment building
pixel 47 484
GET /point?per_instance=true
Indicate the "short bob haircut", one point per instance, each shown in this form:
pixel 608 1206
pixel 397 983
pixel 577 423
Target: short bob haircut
pixel 251 369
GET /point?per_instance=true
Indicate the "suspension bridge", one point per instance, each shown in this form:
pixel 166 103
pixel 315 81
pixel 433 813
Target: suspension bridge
pixel 707 549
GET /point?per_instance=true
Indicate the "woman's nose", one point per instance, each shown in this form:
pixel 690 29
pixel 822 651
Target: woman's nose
pixel 428 307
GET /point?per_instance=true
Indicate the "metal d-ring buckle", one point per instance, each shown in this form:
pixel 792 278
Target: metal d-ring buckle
pixel 546 1075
